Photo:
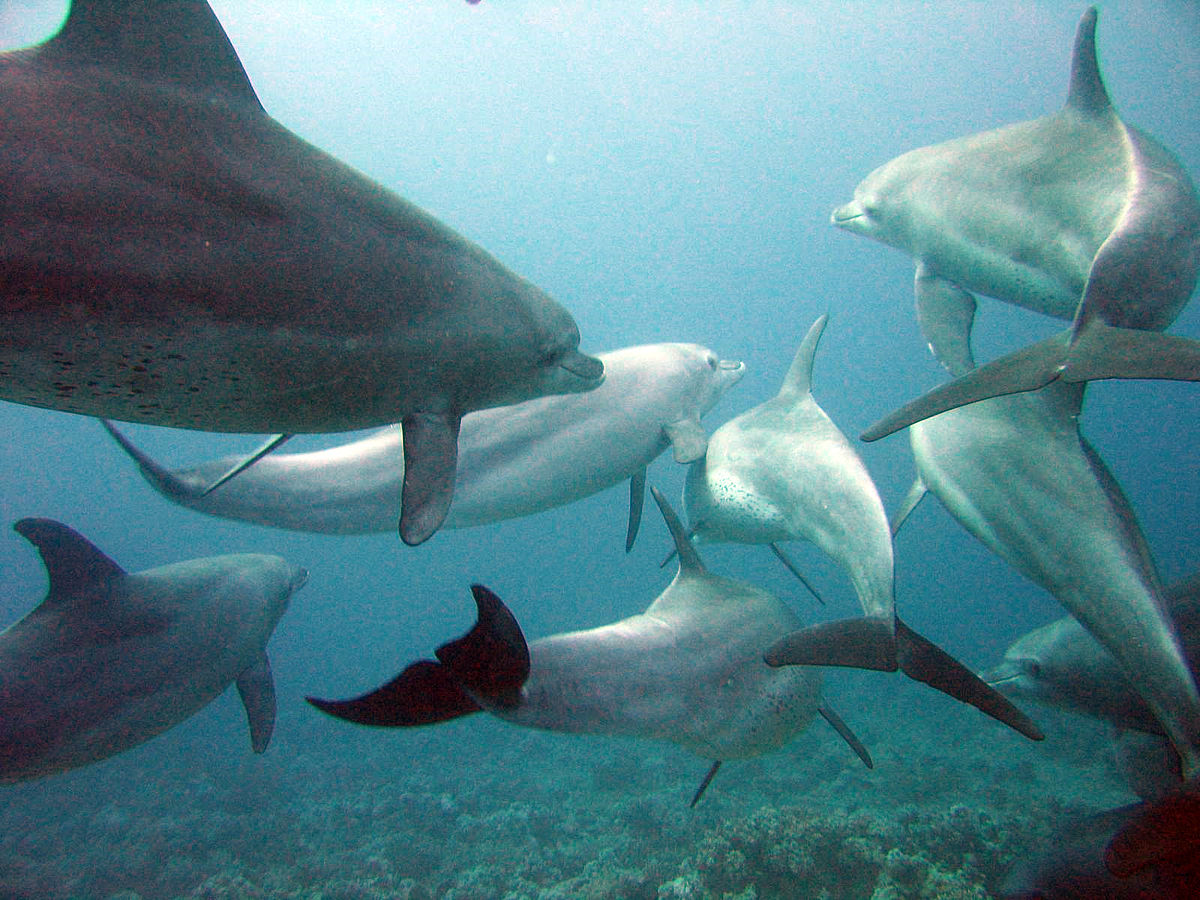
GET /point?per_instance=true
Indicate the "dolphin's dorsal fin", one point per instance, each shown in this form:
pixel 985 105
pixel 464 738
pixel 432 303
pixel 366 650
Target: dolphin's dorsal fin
pixel 74 565
pixel 798 381
pixel 1087 93
pixel 689 560
pixel 177 42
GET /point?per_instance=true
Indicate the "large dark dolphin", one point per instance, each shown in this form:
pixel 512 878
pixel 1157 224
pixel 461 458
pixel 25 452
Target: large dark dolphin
pixel 688 670
pixel 1077 215
pixel 109 659
pixel 170 254
pixel 512 460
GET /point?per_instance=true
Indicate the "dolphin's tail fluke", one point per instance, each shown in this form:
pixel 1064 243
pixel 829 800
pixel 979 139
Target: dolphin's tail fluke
pixel 484 668
pixel 874 643
pixel 1092 352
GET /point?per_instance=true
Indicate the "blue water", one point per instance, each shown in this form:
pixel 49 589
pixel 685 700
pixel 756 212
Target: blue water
pixel 666 171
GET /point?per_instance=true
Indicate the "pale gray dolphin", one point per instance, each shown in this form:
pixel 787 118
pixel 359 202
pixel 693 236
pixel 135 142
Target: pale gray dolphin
pixel 1060 664
pixel 512 460
pixel 108 660
pixel 784 471
pixel 1016 473
pixel 688 670
pixel 1077 215
pixel 172 255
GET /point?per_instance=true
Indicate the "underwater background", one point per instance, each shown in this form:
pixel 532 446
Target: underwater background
pixel 666 170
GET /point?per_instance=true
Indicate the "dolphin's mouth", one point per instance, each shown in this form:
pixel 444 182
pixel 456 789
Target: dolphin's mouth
pixel 586 368
pixel 999 675
pixel 300 579
pixel 847 213
pixel 731 365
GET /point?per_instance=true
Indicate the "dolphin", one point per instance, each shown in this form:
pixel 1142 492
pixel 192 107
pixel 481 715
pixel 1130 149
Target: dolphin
pixel 784 471
pixel 688 670
pixel 1077 215
pixel 1060 664
pixel 172 255
pixel 1018 475
pixel 110 659
pixel 512 460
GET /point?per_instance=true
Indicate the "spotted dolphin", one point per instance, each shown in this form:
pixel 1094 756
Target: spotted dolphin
pixel 172 255
pixel 512 460
pixel 110 659
pixel 1077 215
pixel 688 670
pixel 784 471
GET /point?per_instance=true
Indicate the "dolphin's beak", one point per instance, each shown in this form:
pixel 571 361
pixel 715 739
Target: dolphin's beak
pixel 300 578
pixel 587 369
pixel 999 675
pixel 847 213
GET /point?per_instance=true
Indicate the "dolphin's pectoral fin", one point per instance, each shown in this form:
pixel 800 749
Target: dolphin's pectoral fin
pixel 859 643
pixel 491 661
pixel 637 499
pixel 911 500
pixel 1101 351
pixel 1025 370
pixel 1165 836
pixel 791 567
pixel 272 443
pixel 423 694
pixel 946 314
pixel 430 461
pixel 75 567
pixel 924 661
pixel 846 734
pixel 256 687
pixel 688 438
pixel 704 783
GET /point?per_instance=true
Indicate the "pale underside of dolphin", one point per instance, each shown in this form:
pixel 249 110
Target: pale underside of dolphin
pixel 784 471
pixel 1076 215
pixel 170 254
pixel 512 461
pixel 688 670
pixel 110 659
pixel 1017 474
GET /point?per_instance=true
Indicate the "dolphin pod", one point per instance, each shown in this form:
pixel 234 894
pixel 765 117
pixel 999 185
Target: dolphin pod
pixel 512 460
pixel 172 255
pixel 110 659
pixel 1076 215
pixel 688 670
pixel 784 471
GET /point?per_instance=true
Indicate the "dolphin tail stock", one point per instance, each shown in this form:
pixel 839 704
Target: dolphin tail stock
pixel 885 645
pixel 844 732
pixel 484 668
pixel 161 479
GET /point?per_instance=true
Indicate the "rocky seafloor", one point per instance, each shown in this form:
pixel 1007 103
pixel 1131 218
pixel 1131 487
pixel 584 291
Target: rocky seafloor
pixel 477 809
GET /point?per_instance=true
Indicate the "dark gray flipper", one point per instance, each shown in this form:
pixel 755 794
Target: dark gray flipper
pixel 846 734
pixel 911 501
pixel 256 687
pixel 688 438
pixel 271 444
pixel 75 567
pixel 946 314
pixel 708 777
pixel 430 461
pixel 160 479
pixel 637 499
pixel 791 567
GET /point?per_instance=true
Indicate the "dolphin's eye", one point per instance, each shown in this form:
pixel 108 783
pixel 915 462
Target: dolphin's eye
pixel 1033 668
pixel 712 362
